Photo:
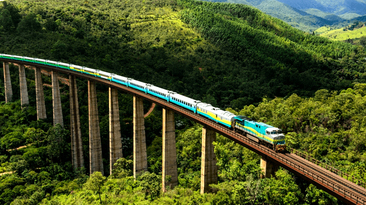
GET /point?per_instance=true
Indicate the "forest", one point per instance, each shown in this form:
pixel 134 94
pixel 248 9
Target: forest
pixel 230 55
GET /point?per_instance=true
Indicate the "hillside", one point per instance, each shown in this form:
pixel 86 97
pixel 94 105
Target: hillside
pixel 310 15
pixel 354 34
pixel 342 35
pixel 337 7
pixel 229 55
pixel 301 19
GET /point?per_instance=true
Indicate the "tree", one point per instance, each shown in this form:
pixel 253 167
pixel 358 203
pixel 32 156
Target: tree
pixel 57 145
pixel 122 168
pixel 95 183
pixel 29 24
pixel 6 23
pixel 150 183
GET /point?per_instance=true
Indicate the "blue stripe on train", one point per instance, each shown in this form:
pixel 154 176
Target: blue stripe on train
pixel 157 95
pixel 182 105
pixel 137 88
pixel 120 82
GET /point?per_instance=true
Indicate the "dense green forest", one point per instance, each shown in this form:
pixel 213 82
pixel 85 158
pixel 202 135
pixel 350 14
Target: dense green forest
pixel 229 55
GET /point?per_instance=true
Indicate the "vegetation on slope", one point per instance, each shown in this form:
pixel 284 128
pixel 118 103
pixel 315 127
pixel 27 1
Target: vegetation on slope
pixel 305 20
pixel 42 178
pixel 355 33
pixel 224 54
pixel 309 15
pixel 330 126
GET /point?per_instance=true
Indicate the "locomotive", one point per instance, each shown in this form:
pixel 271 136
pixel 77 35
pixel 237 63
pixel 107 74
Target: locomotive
pixel 257 131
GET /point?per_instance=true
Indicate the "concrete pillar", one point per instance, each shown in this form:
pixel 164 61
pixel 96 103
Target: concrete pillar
pixel 41 106
pixel 56 101
pixel 268 167
pixel 115 142
pixel 76 141
pixel 208 163
pixel 7 84
pixel 139 138
pixel 95 144
pixel 24 100
pixel 169 151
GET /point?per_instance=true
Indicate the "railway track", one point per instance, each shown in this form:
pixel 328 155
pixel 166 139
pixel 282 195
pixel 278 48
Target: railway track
pixel 339 183
pixel 329 174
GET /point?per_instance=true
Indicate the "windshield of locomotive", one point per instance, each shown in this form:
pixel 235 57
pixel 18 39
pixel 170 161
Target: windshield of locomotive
pixel 274 132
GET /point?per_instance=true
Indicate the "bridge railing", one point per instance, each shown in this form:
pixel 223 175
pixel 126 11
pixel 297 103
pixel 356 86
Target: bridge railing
pixel 328 167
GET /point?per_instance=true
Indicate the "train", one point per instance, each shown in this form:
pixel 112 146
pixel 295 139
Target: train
pixel 257 131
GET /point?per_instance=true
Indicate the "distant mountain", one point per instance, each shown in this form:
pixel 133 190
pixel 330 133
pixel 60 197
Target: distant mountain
pixel 311 14
pixel 337 7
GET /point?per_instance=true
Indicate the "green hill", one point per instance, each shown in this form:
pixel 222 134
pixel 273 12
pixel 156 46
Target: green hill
pixel 232 53
pixel 354 34
pixel 352 31
pixel 341 35
pixel 306 20
pixel 310 15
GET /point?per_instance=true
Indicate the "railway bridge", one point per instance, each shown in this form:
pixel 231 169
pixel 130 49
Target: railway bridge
pixel 323 176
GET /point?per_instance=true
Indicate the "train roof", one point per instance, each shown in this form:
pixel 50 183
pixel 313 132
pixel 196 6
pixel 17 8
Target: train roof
pixel 64 64
pixel 90 69
pixel 223 113
pixel 263 124
pixel 137 82
pixel 156 88
pixel 53 62
pixel 76 66
pixel 104 73
pixel 270 129
pixel 118 77
pixel 206 106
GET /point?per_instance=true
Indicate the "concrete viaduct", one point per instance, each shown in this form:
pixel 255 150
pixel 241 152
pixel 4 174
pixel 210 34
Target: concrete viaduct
pixel 323 178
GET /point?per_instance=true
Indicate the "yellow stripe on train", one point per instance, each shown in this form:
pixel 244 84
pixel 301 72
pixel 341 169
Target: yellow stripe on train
pixel 214 116
pixel 258 134
pixel 73 68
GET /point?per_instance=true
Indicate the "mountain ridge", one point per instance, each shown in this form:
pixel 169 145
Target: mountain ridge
pixel 309 15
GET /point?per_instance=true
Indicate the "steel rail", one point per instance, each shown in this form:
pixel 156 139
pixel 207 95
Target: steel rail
pixel 323 174
pixel 327 166
pixel 329 174
pixel 321 181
